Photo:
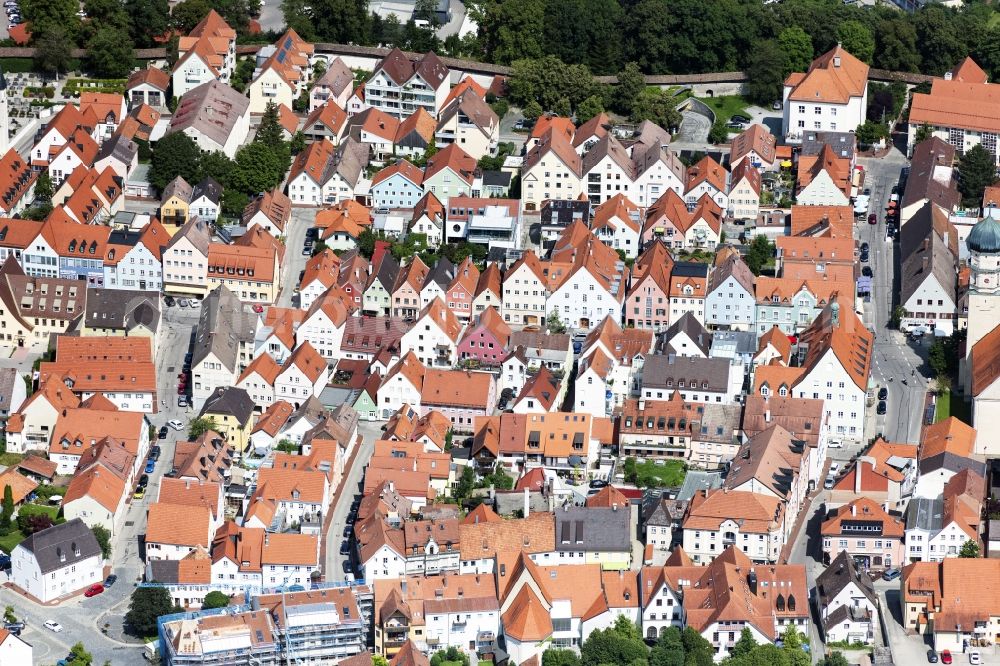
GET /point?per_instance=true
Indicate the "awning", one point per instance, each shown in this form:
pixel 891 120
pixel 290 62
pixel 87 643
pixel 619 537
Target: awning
pixel 786 164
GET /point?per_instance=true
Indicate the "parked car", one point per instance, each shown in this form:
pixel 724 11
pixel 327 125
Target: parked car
pixel 139 492
pixel 891 575
pixel 834 466
pixel 94 590
pixel 828 483
pixel 975 657
pixel 258 308
pixel 872 218
pixel 737 118
pixel 932 657
pixel 143 481
pixel 883 393
pixel 14 627
pixel 864 256
pixel 150 466
pixel 734 125
pixel 52 625
pixel 347 566
pixel 155 452
pixel 945 656
pixel 110 580
pixel 880 409
pixel 183 302
pixel 598 483
pixel 163 433
pixel 866 271
pixel 347 530
pixel 169 301
pixel 195 303
pixel 182 401
pixel 345 547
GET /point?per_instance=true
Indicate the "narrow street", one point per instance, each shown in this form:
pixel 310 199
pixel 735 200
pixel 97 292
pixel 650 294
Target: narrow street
pixel 370 431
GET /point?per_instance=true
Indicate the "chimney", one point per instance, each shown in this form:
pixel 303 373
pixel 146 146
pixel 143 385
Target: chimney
pixel 267 538
pixel 527 503
pixel 767 416
pixel 854 510
pixel 836 61
pixel 752 582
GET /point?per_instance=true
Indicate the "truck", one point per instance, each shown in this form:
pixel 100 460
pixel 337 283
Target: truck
pixel 151 652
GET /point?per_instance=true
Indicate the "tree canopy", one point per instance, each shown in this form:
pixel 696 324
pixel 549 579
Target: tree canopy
pixel 147 604
pixel 976 170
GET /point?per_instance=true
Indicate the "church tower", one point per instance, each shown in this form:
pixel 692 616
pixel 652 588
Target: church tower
pixel 984 283
pixel 4 117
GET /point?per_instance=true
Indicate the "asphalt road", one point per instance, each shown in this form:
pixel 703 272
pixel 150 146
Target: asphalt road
pixel 294 261
pixel 370 431
pixel 895 356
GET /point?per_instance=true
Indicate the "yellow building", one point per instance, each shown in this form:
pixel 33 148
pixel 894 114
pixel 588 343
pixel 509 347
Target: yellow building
pixel 176 202
pixel 232 410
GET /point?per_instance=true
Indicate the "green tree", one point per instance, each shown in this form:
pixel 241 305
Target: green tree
pixel 719 133
pixel 48 17
pixel 834 659
pixel 270 132
pixel 871 132
pixel 532 111
pixel 43 187
pixel 106 13
pixel 796 45
pixel 147 604
pixel 51 54
pixel 584 32
pixel 669 649
pixel 174 155
pixel 896 39
pixel 562 107
pixel 938 41
pixel 631 84
pixel 259 167
pixel 659 107
pixel 379 660
pixel 744 645
pixel 148 19
pixel 760 251
pixel 696 647
pixel 8 507
pixel 186 15
pixel 554 324
pixel 217 166
pixel 9 615
pixel 215 599
pixel 201 425
pixel 520 30
pixel 109 53
pixel 969 550
pixel 618 644
pixel 560 657
pixel 857 39
pixel 465 484
pixel 298 143
pixel 762 655
pixel 589 108
pixel 547 80
pixel 792 647
pixel 103 537
pixel 976 171
pixel 923 133
pixel 765 76
pixel 78 656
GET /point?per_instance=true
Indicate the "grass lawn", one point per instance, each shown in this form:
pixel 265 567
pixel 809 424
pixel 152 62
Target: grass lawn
pixel 10 459
pixel 726 106
pixel 669 474
pixel 8 542
pixel 949 404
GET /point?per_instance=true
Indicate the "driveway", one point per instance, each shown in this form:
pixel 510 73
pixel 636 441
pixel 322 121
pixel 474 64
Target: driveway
pixel 694 128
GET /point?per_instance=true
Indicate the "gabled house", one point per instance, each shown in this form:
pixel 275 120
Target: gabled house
pixel 485 340
pixel 757 145
pixel 207 53
pixel 399 185
pixel 215 116
pixel 336 83
pixel 435 336
pixel 831 95
pixel 876 545
pixel 847 602
pixel 553 154
pixel 325 174
pixel 399 86
pixel 60 560
pixel 617 223
pixel 450 172
pixel 466 119
pixel 729 303
pixel 824 179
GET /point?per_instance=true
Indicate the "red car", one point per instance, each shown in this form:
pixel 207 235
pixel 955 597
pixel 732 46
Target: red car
pixel 93 590
pixel 946 656
pixel 181 390
pixel 872 218
pixel 258 308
